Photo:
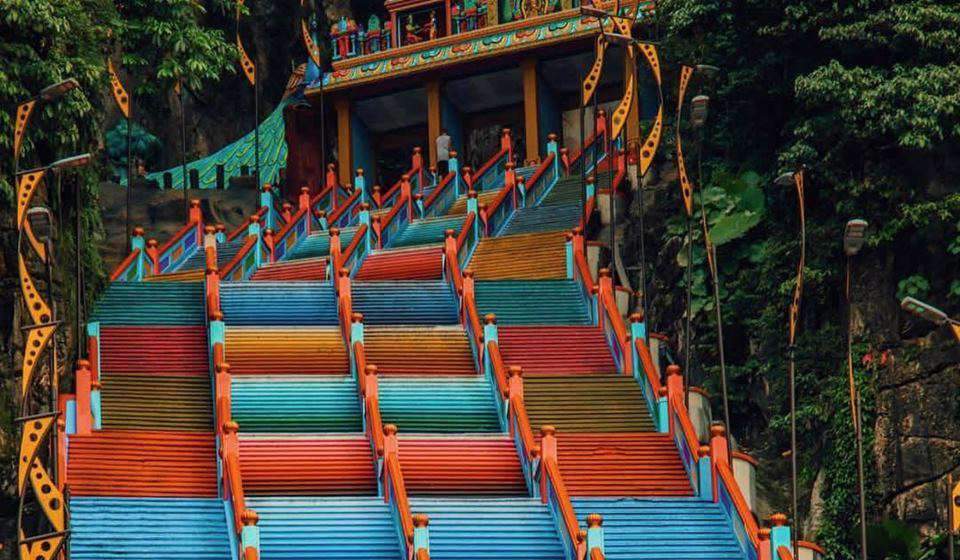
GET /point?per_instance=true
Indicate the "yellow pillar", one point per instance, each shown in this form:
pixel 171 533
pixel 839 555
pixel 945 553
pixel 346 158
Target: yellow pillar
pixel 531 107
pixel 433 118
pixel 344 148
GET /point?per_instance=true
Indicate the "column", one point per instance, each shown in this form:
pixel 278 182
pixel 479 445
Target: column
pixel 433 119
pixel 531 119
pixel 344 146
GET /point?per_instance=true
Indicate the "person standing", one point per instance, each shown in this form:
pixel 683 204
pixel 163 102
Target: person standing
pixel 443 153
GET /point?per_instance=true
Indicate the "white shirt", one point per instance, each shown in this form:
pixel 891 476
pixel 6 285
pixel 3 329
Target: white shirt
pixel 443 147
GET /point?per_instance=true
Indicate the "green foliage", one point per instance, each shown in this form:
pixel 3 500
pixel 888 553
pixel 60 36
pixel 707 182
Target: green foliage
pixel 914 286
pixel 144 145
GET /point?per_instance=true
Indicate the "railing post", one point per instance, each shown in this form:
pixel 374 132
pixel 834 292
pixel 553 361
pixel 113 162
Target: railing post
pixel 705 473
pixel 356 335
pixel 594 532
pixel 269 242
pixel 83 388
pixel 195 214
pixel 377 196
pixel 221 233
pixel 453 166
pixel 515 382
pixel 468 177
pixel 331 183
pixel 780 533
pixel 253 227
pixel 591 191
pixel 406 195
pixel 548 452
pixel 565 160
pixel 137 242
pixel 568 250
pixel 93 349
pixel 766 551
pixel 287 212
pixel 211 272
pixel 522 189
pixel 360 182
pixel 421 533
pixel 250 535
pixel 266 199
pixel 490 333
pixel 663 411
pixel 335 249
pixel 153 253
pixel 303 204
pixel 510 174
pixel 321 216
pixel 472 202
pixel 506 143
pixel 417 163
pixel 718 451
pixel 418 204
pixel 95 408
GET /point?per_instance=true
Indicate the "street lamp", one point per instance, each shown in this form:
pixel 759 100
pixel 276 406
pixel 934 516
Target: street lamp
pixel 927 312
pixel 786 180
pixel 854 237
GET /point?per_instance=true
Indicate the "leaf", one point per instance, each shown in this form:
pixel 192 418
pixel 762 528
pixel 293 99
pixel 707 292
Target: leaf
pixel 733 226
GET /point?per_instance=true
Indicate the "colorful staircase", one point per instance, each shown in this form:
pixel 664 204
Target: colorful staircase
pixel 426 231
pixel 279 303
pixel 312 465
pixel 405 303
pixel 418 263
pixel 532 256
pixel 150 304
pixel 300 270
pixel 317 244
pixel 528 302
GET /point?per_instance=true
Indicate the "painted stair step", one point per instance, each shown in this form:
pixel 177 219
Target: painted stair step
pixel 161 350
pixel 533 302
pixel 461 465
pixel 556 350
pixel 150 303
pixel 474 529
pixel 318 244
pixel 439 405
pixel 459 207
pixel 568 189
pixel 563 217
pixel 143 463
pixel 312 465
pixel 156 402
pixel 225 253
pixel 134 528
pixel 342 528
pixel 623 464
pixel 279 303
pixel 296 404
pixel 655 528
pixel 402 264
pixel 531 256
pixel 195 275
pixel 424 351
pixel 595 403
pixel 286 351
pixel 301 270
pixel 427 231
pixel 405 303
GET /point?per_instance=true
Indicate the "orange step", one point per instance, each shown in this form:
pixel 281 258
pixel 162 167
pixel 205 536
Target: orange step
pixel 419 351
pixel 529 256
pixel 556 350
pixel 159 350
pixel 142 463
pixel 286 351
pixel 300 270
pixel 459 465
pixel 421 263
pixel 623 464
pixel 459 206
pixel 307 465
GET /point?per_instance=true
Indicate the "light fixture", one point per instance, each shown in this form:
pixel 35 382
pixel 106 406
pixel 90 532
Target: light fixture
pixel 699 109
pixel 925 311
pixel 70 162
pixel 854 236
pixel 41 223
pixel 707 70
pixel 785 180
pixel 57 90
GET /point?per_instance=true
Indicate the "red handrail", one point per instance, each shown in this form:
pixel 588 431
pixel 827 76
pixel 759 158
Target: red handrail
pixel 243 227
pixel 332 218
pixel 176 237
pixel 122 267
pixel 586 144
pixel 466 230
pixel 552 471
pixel 247 245
pixel 436 192
pixel 358 237
pixel 473 317
pixel 650 370
pixel 289 225
pixel 413 171
pixel 689 433
pixel 489 163
pixel 499 369
pixel 519 410
pixel 595 554
pixel 323 192
pixel 739 502
pixel 784 553
pixel 392 466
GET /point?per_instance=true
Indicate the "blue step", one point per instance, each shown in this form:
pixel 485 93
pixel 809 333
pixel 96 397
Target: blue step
pixel 278 303
pixel 662 528
pixel 543 218
pixel 415 302
pixel 533 302
pixel 317 244
pixel 150 303
pixel 225 253
pixel 148 528
pixel 296 404
pixel 503 529
pixel 328 528
pixel 427 231
pixel 439 405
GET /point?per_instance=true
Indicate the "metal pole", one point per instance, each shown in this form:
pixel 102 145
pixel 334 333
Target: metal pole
pixel 323 135
pixel 78 271
pixel 256 130
pixel 855 410
pixel 183 155
pixel 643 249
pixel 583 154
pixel 54 380
pixel 950 520
pixel 689 304
pixel 793 446
pixel 130 172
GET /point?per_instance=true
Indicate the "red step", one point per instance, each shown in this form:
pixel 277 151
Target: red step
pixel 301 270
pixel 307 465
pixel 407 264
pixel 556 350
pixel 461 465
pixel 419 351
pixel 142 463
pixel 162 350
pixel 621 464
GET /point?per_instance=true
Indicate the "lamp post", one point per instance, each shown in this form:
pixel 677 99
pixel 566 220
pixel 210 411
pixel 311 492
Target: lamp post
pixel 786 180
pixel 178 88
pixel 854 236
